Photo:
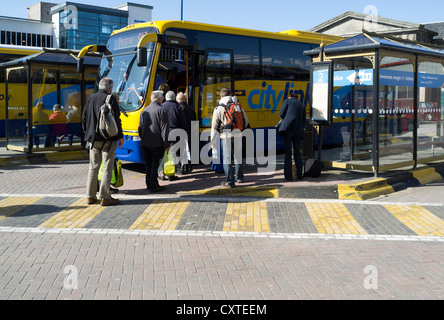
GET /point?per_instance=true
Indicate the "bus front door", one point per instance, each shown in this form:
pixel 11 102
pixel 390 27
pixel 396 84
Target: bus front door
pixel 217 73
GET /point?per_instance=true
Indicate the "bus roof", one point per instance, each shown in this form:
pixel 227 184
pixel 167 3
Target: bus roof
pixel 19 51
pixel 290 35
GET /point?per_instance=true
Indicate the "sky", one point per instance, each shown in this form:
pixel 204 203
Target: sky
pixel 274 16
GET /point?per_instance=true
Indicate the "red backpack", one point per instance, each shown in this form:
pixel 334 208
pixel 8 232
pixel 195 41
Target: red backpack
pixel 234 115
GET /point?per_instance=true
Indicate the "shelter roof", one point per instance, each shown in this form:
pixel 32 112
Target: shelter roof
pixel 56 57
pixel 368 41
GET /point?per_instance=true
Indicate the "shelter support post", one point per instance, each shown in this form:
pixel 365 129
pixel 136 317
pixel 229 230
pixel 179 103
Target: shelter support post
pixel 376 116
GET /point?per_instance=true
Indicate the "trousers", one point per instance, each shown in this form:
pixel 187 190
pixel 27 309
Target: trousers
pixel 292 146
pixel 102 151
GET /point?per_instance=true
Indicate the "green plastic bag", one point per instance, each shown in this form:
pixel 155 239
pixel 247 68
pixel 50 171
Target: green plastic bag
pixel 117 173
pixel 169 167
pixel 117 177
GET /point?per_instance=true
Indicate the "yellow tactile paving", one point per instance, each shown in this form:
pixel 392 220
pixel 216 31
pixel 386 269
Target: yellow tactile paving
pixel 246 216
pixel 161 215
pixel 12 205
pixel 418 219
pixel 333 218
pixel 77 215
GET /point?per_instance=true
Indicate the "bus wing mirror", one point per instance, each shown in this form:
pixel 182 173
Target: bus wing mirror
pixel 91 48
pixel 88 49
pixel 142 51
pixel 142 55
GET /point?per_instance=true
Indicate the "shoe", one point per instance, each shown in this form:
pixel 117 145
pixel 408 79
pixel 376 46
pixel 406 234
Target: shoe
pixel 173 178
pixel 239 180
pixel 109 202
pixel 158 189
pixel 226 184
pixel 91 201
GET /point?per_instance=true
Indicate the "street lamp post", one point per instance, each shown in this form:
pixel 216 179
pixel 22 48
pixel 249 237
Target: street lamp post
pixel 181 10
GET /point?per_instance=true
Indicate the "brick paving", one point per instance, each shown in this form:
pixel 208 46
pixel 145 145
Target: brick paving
pixel 198 259
pixel 113 266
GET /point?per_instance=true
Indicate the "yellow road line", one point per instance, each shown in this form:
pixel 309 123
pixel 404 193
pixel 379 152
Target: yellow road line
pixel 77 215
pixel 12 205
pixel 161 215
pixel 246 216
pixel 333 218
pixel 418 219
pixel 259 192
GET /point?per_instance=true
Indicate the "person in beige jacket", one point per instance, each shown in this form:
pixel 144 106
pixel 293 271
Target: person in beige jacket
pixel 229 139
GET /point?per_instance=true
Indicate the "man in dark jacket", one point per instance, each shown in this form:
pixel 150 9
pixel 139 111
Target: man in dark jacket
pixel 292 131
pixel 177 120
pixel 153 132
pixel 102 150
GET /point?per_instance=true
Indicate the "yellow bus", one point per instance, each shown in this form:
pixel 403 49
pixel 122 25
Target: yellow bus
pixel 8 54
pixel 262 68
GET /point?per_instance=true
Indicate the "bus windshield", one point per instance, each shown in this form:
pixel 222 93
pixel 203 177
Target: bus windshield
pixel 130 81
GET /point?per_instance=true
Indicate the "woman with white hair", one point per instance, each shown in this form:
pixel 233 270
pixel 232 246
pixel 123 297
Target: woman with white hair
pixel 153 132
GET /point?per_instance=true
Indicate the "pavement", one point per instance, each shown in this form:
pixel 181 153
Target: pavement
pixel 263 181
pixel 48 194
pixel 266 239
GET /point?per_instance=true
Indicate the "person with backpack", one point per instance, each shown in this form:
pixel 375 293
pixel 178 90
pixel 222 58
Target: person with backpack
pixel 229 120
pixel 292 131
pixel 103 146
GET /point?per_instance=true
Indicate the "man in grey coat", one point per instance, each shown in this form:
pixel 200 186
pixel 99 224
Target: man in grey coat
pixel 153 132
pixel 292 131
pixel 102 150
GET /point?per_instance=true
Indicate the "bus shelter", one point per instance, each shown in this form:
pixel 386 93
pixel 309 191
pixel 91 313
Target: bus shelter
pixel 46 94
pixel 379 103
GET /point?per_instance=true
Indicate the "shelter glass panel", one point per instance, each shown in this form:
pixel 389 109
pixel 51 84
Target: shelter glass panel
pixel 430 110
pixel 350 136
pixel 46 96
pixel 17 116
pixel 70 95
pixel 396 111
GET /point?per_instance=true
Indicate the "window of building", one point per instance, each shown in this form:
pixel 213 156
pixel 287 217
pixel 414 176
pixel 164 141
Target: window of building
pixel 92 28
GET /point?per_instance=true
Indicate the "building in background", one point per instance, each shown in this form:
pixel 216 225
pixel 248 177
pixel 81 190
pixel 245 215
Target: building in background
pixel 41 11
pixel 350 24
pixel 78 25
pixel 69 25
pixel 18 32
